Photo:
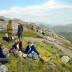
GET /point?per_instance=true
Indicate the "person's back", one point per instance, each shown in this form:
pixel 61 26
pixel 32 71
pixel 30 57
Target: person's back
pixel 30 47
pixel 9 29
pixel 27 50
pixel 21 27
pixel 20 30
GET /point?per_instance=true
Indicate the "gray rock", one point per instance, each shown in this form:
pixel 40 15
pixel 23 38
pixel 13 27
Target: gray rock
pixel 3 68
pixel 65 59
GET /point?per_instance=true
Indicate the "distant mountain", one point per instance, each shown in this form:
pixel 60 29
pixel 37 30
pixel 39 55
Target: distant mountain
pixel 67 35
pixel 64 28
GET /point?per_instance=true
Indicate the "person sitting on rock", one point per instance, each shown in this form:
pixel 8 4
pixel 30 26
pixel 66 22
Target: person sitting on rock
pixel 31 51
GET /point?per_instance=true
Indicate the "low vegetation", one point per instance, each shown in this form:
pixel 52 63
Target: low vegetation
pixel 54 64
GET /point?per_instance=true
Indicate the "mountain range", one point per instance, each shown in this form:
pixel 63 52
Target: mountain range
pixel 63 28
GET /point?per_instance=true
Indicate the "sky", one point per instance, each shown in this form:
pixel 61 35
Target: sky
pixel 53 12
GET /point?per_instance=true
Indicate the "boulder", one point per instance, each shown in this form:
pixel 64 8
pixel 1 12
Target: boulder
pixel 65 59
pixel 3 68
pixel 20 54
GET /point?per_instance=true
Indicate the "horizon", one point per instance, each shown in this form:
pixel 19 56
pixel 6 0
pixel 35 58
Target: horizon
pixel 54 12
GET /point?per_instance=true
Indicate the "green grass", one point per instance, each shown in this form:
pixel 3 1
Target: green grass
pixel 17 64
pixel 31 34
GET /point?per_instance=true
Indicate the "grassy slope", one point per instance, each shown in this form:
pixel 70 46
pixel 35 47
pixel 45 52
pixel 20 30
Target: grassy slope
pixel 34 34
pixel 54 64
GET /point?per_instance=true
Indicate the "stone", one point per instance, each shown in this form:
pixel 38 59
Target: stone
pixel 24 55
pixel 3 68
pixel 20 54
pixel 65 59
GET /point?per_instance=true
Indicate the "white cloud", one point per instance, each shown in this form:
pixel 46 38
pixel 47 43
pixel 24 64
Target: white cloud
pixel 31 13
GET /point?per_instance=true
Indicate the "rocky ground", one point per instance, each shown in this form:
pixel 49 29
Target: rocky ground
pixel 55 49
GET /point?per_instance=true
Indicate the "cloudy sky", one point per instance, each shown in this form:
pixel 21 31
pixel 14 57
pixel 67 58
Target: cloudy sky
pixel 54 12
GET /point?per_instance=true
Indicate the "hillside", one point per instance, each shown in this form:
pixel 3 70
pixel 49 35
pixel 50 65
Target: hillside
pixel 52 46
pixel 53 55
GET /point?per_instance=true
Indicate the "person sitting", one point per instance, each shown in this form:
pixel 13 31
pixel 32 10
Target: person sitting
pixel 1 52
pixel 3 58
pixel 15 48
pixel 6 51
pixel 6 38
pixel 31 51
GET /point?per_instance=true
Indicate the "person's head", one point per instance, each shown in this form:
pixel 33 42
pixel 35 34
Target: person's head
pixel 30 43
pixel 16 41
pixel 10 21
pixel 19 24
